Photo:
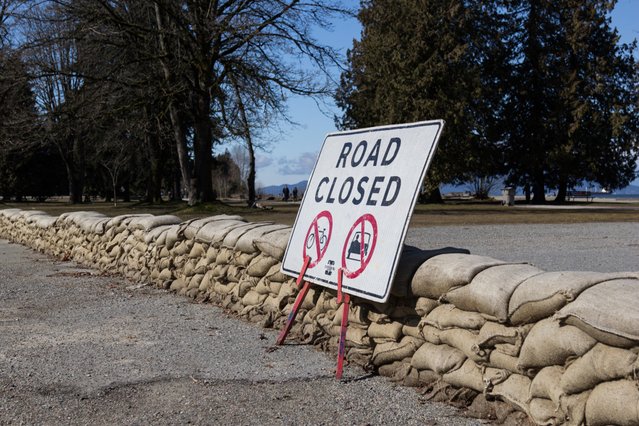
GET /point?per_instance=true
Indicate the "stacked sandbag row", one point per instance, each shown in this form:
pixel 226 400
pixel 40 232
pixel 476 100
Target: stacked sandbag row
pixel 558 347
pixel 537 340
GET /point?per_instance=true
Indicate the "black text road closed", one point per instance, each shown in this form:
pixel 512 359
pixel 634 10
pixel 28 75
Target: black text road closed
pixel 357 206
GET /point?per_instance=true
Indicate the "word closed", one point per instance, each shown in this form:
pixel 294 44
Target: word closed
pixel 379 190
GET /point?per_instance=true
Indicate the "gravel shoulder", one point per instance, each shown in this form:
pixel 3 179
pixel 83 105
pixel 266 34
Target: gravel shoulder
pixel 77 347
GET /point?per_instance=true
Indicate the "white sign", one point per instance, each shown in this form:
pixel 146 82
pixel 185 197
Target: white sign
pixel 357 206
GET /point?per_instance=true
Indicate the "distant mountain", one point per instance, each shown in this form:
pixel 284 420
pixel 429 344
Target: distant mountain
pixel 277 189
pixel 444 188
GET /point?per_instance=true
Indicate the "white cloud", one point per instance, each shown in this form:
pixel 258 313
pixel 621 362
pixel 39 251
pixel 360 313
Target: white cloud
pixel 262 161
pixel 302 165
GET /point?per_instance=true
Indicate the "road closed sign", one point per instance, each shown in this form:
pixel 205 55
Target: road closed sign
pixel 357 206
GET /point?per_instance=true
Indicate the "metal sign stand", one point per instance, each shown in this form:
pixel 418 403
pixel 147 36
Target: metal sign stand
pixel 346 298
pixel 298 302
pixel 341 297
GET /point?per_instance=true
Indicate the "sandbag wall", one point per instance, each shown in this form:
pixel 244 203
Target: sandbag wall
pixel 508 340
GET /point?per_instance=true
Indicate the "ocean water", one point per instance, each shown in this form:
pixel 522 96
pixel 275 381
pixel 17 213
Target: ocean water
pixel 618 196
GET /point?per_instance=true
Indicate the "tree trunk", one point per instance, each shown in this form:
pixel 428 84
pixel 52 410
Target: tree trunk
pixel 178 131
pixel 539 190
pixel 562 191
pixel 203 146
pixel 250 180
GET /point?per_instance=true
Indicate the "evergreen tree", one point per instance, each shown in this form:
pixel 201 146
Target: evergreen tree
pixel 420 60
pixel 572 114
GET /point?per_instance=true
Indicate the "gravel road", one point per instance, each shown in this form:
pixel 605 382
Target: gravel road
pixel 604 247
pixel 78 348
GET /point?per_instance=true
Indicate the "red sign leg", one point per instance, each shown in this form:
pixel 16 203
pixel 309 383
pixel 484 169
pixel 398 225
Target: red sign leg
pixel 342 338
pixel 293 314
pixel 298 302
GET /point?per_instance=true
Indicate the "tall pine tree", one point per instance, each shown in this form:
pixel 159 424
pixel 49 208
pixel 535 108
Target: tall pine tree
pixel 419 60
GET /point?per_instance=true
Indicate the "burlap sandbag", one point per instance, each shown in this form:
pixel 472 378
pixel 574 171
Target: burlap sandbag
pixel 448 316
pixel 600 364
pixel 275 274
pixel 153 235
pixel 245 242
pixel 544 412
pixel 613 403
pixel 260 266
pixel 515 390
pixel 490 290
pixel 214 232
pixel 357 316
pixel 386 353
pixel 542 295
pixel 549 343
pixel 608 311
pixel 465 341
pixel 424 305
pixel 438 275
pixel 274 243
pixel 190 228
pixel 502 338
pixel 574 408
pixel 410 260
pixel 467 376
pixel 231 239
pixel 148 223
pixel 438 358
pixel 546 384
pixel 391 330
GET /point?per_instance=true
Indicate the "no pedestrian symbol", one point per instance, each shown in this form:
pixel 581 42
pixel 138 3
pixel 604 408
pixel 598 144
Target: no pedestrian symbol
pixel 352 222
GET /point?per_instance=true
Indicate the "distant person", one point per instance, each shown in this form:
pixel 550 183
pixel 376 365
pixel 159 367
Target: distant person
pixel 286 193
pixel 295 193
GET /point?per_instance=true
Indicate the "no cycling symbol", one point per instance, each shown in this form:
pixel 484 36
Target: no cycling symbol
pixel 359 246
pixel 317 237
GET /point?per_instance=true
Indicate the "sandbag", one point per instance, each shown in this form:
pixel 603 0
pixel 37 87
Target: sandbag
pixel 505 339
pixel 467 376
pixel 515 390
pixel 448 316
pixel 190 228
pixel 574 408
pixel 424 305
pixel 490 290
pixel 274 243
pixel 438 275
pixel 546 384
pixel 410 260
pixel 613 403
pixel 549 343
pixel 261 265
pixel 541 296
pixel 148 223
pixel 233 236
pixel 438 358
pixel 465 341
pixel 386 353
pixel 392 330
pixel 608 311
pixel 544 412
pixel 214 232
pixel 601 364
pixel 245 242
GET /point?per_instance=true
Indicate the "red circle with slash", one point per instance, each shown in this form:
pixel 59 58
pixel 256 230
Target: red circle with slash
pixel 316 241
pixel 364 247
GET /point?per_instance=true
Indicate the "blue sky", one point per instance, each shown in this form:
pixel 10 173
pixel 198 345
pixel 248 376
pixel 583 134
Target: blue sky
pixel 292 152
